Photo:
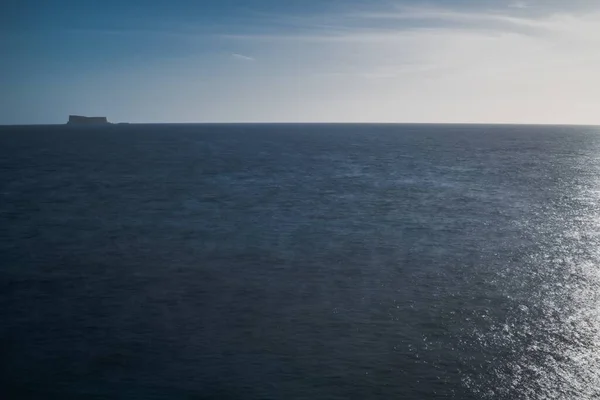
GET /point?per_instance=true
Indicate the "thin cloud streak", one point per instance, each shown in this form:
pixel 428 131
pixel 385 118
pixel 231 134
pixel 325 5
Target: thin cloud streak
pixel 519 4
pixel 388 24
pixel 242 57
pixel 442 15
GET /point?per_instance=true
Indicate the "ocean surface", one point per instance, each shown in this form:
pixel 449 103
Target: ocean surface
pixel 300 262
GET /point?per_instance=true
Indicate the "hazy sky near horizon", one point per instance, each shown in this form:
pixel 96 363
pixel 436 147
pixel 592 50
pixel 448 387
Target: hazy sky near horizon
pixel 486 61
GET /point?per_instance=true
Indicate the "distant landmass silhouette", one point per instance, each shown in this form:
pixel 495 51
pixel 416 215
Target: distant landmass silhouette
pixel 82 120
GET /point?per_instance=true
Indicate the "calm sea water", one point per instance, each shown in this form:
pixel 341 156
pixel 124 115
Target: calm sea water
pixel 300 262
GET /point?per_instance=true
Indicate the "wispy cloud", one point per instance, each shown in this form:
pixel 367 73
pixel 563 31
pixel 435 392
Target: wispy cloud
pixel 519 4
pixel 434 16
pixel 389 24
pixel 242 57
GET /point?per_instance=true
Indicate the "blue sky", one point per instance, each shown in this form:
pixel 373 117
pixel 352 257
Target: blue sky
pixel 301 61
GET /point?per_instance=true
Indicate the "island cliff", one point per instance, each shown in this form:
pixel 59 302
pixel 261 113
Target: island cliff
pixel 79 119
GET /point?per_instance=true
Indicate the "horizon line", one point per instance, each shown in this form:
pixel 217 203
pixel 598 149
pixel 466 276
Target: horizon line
pixel 313 123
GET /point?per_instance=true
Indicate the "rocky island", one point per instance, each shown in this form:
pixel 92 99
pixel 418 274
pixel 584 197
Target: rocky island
pixel 81 120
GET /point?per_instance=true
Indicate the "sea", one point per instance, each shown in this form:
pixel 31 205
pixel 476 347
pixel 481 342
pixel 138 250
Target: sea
pixel 300 261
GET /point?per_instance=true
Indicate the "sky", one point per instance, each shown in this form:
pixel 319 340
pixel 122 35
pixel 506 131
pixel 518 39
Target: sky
pixel 438 61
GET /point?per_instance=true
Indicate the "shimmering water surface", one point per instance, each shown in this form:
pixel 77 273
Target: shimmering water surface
pixel 300 262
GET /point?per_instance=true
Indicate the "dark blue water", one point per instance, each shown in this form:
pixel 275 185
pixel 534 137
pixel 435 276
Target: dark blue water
pixel 300 262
